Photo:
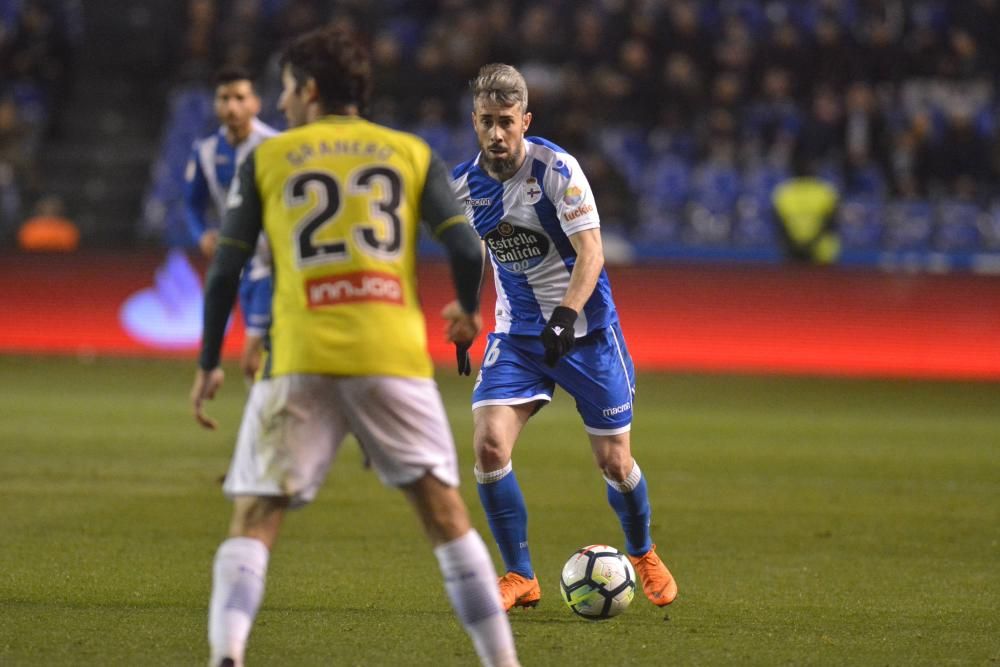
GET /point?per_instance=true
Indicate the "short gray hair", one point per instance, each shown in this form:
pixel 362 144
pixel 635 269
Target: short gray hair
pixel 501 84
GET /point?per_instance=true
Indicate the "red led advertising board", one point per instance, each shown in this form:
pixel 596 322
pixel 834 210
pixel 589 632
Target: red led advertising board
pixel 688 318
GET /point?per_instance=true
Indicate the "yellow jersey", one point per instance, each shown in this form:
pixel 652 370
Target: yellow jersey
pixel 340 204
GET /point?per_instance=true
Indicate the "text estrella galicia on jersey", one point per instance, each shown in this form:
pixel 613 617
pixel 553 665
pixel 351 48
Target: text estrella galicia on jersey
pixel 532 192
pixel 516 249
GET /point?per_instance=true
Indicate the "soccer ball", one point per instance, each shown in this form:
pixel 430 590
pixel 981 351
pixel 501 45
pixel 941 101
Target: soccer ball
pixel 597 582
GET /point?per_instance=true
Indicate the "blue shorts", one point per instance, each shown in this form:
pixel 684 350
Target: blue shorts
pixel 255 302
pixel 598 373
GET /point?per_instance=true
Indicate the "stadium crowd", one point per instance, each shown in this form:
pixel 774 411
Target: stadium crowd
pixel 685 114
pixel 37 42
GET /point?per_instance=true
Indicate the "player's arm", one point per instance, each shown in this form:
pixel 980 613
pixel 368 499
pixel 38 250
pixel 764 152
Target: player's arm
pixel 240 229
pixel 255 303
pixel 447 221
pixel 586 269
pixel 578 213
pixel 196 197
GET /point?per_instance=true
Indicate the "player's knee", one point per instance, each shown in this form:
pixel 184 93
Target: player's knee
pixel 614 458
pixel 617 470
pixel 492 453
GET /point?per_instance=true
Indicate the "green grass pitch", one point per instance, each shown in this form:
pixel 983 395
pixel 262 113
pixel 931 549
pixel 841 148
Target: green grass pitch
pixel 808 522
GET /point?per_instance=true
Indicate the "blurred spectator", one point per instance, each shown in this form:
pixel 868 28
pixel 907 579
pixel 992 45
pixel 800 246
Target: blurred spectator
pixel 960 159
pixel 866 141
pixel 772 122
pixel 15 163
pixel 786 50
pixel 880 33
pixel 911 160
pixel 635 62
pixel 49 230
pixel 806 207
pixel 681 88
pixel 683 31
pixel 834 58
pixel 820 143
pixel 39 52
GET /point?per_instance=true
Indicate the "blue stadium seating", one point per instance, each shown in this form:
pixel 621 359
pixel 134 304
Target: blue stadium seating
pixel 957 226
pixel 909 225
pixel 860 223
pixel 755 225
pixel 716 187
pixel 667 182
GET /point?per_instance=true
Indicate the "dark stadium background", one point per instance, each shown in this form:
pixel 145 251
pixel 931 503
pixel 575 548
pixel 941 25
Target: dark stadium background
pixel 685 115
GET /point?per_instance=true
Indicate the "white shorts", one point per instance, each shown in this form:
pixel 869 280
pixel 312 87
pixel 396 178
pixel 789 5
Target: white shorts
pixel 293 426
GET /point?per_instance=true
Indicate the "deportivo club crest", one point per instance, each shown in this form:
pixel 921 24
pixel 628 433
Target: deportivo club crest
pixel 532 192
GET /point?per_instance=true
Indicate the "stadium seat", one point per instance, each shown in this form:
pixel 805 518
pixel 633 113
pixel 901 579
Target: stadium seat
pixel 859 222
pixel 865 182
pixel 627 150
pixel 667 182
pixel 909 225
pixel 705 226
pixel 657 224
pixel 760 180
pixel 989 228
pixel 957 226
pixel 716 187
pixel 755 225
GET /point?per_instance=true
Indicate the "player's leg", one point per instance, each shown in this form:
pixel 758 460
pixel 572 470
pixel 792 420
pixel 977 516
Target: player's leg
pixel 629 498
pixel 402 426
pixel 469 577
pixel 626 488
pixel 509 389
pixel 495 430
pixel 239 572
pixel 287 441
pixel 599 374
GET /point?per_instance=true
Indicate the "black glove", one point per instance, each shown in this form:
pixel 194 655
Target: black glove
pixel 558 335
pixel 462 355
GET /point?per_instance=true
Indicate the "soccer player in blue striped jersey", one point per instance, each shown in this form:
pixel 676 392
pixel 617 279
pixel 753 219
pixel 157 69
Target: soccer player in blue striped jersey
pixel 556 324
pixel 210 171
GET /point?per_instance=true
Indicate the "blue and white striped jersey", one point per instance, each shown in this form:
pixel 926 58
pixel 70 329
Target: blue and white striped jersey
pixel 210 171
pixel 526 222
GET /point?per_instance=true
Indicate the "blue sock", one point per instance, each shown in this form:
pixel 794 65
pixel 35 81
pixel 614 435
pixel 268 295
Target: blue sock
pixel 630 501
pixel 507 515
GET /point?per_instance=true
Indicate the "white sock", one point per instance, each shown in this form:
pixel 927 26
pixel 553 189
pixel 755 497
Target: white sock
pixel 629 483
pixel 492 477
pixel 471 583
pixel 237 588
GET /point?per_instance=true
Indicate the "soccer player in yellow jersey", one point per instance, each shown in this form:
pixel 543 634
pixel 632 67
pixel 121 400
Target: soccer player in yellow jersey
pixel 340 200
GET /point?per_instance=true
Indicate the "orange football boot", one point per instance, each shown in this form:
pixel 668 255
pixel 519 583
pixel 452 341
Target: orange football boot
pixel 657 582
pixel 517 591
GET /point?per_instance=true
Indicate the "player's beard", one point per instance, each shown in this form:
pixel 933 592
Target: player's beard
pixel 504 166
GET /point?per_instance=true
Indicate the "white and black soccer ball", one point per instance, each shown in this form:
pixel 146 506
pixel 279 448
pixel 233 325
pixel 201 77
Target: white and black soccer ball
pixel 597 582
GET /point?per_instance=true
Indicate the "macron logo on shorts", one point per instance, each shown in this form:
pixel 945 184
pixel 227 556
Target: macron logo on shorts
pixel 353 288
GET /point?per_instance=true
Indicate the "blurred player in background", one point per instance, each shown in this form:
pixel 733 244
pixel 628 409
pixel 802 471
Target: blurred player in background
pixel 556 324
pixel 340 200
pixel 210 171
